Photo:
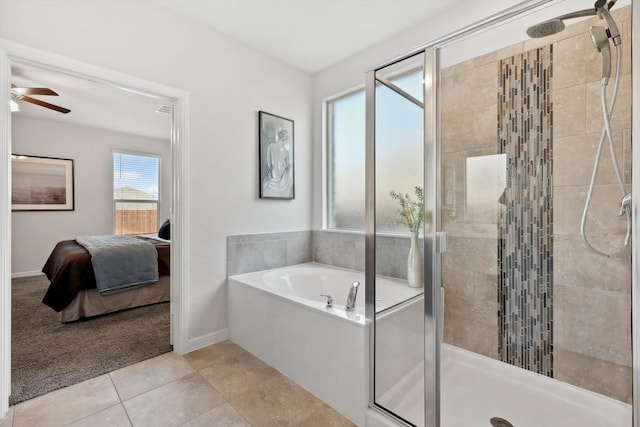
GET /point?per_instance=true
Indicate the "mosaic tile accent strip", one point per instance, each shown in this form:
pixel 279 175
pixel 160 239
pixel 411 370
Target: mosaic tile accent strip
pixel 525 243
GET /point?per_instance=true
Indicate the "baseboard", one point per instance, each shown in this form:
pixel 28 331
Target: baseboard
pixel 204 340
pixel 26 274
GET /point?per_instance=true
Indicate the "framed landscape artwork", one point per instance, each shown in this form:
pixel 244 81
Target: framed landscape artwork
pixel 276 157
pixel 41 183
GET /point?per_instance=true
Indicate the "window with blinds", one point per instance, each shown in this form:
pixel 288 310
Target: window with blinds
pixel 136 182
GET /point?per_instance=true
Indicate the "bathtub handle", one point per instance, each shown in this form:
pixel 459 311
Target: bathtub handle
pixel 329 300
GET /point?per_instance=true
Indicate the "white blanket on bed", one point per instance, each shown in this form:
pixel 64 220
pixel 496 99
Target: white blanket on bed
pixel 121 262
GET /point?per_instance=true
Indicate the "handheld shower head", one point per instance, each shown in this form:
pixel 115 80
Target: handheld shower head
pixel 600 40
pixel 612 28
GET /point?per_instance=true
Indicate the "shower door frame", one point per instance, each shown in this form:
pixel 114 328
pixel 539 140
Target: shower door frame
pixel 435 241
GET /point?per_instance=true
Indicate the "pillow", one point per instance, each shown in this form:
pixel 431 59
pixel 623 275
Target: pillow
pixel 165 230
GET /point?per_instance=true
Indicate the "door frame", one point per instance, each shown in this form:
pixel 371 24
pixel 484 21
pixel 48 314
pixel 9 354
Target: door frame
pixel 14 52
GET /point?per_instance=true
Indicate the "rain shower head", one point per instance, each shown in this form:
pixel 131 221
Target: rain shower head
pixel 601 8
pixel 556 25
pixel 545 28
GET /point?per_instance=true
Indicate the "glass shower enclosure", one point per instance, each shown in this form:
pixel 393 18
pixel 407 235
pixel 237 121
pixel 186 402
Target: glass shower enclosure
pixel 490 156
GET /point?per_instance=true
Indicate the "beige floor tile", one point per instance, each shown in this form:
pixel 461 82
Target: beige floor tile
pixel 276 402
pixel 115 416
pixel 7 421
pixel 213 354
pixel 326 416
pixel 238 375
pixel 173 404
pixel 149 374
pixel 222 416
pixel 68 404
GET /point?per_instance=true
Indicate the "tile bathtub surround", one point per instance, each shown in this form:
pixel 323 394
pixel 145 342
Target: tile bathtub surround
pixel 220 385
pixel 525 229
pixel 346 250
pixel 255 252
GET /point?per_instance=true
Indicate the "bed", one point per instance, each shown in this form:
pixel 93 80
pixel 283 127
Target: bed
pixel 73 290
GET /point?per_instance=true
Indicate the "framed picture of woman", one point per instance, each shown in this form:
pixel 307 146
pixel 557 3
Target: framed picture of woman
pixel 276 157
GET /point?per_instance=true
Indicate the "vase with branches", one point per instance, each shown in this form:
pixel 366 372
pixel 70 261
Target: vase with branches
pixel 411 214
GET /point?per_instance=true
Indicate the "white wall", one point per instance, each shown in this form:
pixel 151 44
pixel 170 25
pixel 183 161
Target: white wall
pixel 34 234
pixel 228 83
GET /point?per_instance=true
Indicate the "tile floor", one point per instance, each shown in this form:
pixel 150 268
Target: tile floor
pixel 220 385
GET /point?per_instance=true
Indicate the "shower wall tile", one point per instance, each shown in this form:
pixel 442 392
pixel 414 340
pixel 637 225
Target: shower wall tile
pixel 626 45
pixel 573 158
pixel 254 252
pixel 621 118
pixel 473 293
pixel 575 62
pixel 627 155
pixel 577 267
pixel 593 322
pixel 604 377
pixel 525 245
pixel 471 253
pixel 602 220
pixel 576 130
pixel 569 111
pixel 470 331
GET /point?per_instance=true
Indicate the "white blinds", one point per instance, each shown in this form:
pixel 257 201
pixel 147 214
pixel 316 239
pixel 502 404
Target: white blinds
pixel 135 193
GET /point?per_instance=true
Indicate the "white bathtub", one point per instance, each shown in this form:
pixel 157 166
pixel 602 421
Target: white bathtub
pixel 279 316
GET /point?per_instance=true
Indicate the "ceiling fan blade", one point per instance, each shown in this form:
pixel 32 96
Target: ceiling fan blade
pixel 33 90
pixel 44 104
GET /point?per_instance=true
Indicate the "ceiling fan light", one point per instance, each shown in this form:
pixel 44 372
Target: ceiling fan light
pixel 14 105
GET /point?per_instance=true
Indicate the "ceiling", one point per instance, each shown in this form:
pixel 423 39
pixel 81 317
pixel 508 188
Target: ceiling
pixel 309 34
pixel 92 104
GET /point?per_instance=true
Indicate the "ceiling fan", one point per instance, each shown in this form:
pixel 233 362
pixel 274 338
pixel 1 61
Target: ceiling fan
pixel 21 93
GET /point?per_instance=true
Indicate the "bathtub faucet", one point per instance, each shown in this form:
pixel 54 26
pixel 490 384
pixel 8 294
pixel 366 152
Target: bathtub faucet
pixel 351 299
pixel 329 300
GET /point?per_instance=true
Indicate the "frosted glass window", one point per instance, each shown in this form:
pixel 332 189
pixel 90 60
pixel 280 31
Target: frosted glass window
pixel 346 161
pixel 135 193
pixel 399 144
pixel 399 149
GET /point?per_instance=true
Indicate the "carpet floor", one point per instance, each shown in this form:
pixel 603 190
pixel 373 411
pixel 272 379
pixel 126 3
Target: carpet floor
pixel 47 354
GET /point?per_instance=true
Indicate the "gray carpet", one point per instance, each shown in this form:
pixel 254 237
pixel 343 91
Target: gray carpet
pixel 47 355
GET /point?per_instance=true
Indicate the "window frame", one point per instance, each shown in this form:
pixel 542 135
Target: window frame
pixel 115 201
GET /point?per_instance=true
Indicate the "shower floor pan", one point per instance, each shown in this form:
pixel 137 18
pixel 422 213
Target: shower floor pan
pixel 476 388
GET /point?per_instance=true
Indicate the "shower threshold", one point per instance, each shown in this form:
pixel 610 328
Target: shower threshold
pixel 476 389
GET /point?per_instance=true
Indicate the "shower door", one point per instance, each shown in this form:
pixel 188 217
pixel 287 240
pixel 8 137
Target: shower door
pixel 533 280
pixel 400 228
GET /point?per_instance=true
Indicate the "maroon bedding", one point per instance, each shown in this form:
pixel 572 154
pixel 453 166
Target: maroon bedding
pixel 69 269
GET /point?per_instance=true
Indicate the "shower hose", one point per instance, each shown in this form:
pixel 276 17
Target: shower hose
pixel 606 135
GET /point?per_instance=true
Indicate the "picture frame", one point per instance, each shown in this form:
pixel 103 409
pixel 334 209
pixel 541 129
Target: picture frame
pixel 276 148
pixel 41 183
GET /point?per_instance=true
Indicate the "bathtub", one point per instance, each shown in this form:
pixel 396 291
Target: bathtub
pixel 279 316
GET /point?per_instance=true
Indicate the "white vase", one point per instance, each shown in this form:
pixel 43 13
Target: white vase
pixel 415 263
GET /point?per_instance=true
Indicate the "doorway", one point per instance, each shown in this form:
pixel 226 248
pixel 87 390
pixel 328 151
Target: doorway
pixel 14 53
